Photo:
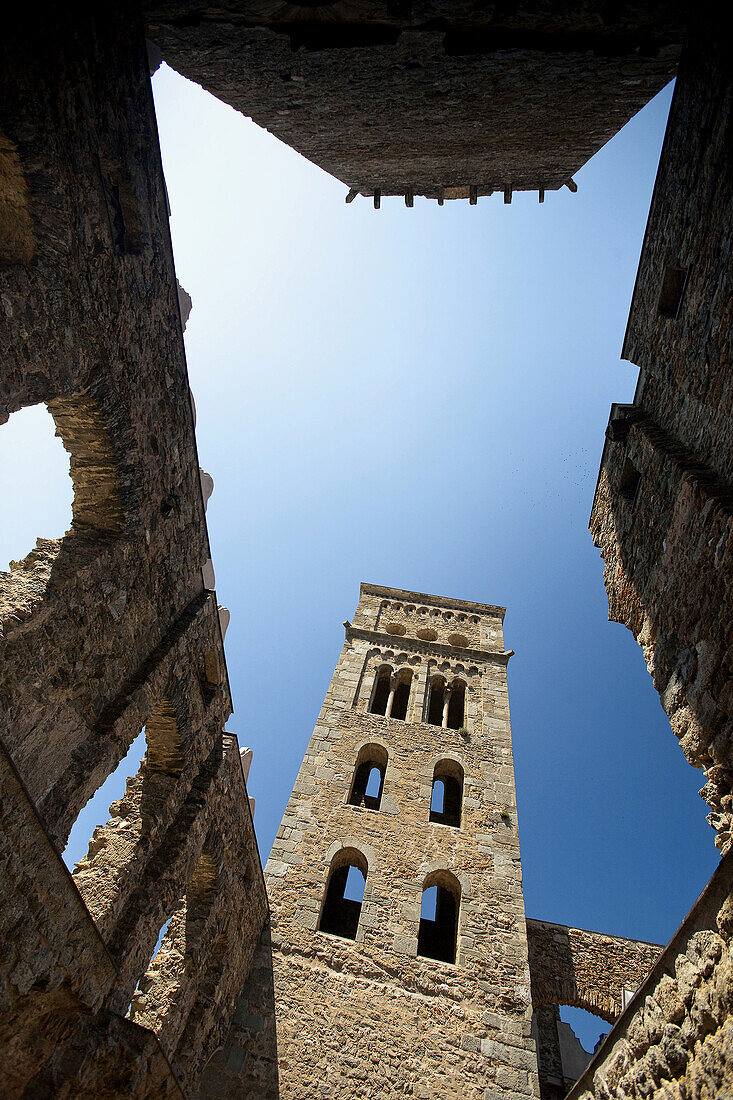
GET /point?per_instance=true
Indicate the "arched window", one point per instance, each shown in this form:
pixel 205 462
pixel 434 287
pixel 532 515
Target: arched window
pixel 401 696
pixel 456 705
pixel 344 894
pixel 380 691
pixel 368 782
pixel 447 793
pixel 441 901
pixel 391 693
pixel 435 703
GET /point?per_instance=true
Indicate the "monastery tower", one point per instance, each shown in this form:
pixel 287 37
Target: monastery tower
pixel 404 804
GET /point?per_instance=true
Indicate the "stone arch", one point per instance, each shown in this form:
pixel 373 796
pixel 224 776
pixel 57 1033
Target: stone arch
pixel 17 237
pixel 340 915
pixel 370 756
pixel 350 843
pixel 567 992
pixel 98 507
pixel 437 869
pixel 582 969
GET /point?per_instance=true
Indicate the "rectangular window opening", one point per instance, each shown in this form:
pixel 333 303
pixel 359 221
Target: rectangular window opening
pixel 672 289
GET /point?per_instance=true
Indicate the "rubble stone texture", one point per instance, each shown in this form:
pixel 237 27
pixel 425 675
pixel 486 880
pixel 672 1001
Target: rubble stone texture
pixel 110 629
pixel 371 1017
pixel 432 98
pixel 663 508
pixel 114 628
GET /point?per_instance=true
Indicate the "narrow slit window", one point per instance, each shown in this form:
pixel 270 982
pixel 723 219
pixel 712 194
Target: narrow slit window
pixel 344 894
pixel 438 931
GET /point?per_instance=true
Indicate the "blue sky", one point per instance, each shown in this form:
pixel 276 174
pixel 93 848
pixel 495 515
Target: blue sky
pixel 417 398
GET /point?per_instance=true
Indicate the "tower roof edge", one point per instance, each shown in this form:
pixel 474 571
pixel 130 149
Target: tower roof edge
pixel 424 597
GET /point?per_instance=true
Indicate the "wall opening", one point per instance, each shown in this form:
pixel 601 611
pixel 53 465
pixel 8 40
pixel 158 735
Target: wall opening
pixel 380 692
pixel 203 886
pixel 673 285
pixel 457 705
pixel 139 1002
pixel 589 1029
pixel 36 495
pixel 435 702
pixel 368 782
pixel 447 794
pixel 344 894
pixel 98 809
pixel 401 697
pixel 17 239
pixel 628 486
pixel 438 931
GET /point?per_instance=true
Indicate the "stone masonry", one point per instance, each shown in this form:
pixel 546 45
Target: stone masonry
pixel 371 1016
pixel 115 627
pixel 437 98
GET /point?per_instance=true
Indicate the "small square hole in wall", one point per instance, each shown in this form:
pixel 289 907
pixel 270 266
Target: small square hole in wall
pixel 629 483
pixel 672 289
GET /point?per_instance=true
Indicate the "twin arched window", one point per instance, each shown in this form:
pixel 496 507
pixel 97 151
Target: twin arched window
pixel 447 703
pixel 446 797
pixel 391 692
pixel 391 695
pixel 441 901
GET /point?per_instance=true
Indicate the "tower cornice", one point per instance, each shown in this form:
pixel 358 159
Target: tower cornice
pixel 418 645
pixel 434 601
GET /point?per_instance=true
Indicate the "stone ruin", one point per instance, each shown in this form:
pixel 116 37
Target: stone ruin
pixel 115 628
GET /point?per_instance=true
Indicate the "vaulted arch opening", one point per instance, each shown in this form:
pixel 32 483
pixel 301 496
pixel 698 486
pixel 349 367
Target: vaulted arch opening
pixel 401 697
pixel 436 700
pixel 456 705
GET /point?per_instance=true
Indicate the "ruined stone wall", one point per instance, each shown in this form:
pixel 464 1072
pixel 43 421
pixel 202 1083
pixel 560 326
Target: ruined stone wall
pixel 571 966
pixel 370 1017
pixel 112 628
pixel 439 99
pixel 663 508
pixel 673 1041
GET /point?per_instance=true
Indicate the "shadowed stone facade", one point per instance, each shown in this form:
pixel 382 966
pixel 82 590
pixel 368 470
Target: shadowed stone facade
pixel 115 627
pixel 448 100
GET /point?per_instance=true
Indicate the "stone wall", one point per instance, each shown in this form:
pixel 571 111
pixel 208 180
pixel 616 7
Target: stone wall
pixel 663 508
pixel 674 1038
pixel 371 1017
pixel 571 966
pixel 436 99
pixel 113 628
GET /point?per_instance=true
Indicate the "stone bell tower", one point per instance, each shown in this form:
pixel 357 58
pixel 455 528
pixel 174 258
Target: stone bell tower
pixel 398 956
